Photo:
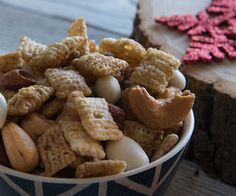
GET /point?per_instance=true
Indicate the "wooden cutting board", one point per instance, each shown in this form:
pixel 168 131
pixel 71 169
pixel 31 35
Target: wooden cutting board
pixel 214 141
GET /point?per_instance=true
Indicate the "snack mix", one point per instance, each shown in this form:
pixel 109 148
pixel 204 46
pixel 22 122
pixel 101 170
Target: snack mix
pixel 57 123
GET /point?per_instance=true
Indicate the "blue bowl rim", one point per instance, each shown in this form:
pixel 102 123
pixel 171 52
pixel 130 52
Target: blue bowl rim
pixel 187 133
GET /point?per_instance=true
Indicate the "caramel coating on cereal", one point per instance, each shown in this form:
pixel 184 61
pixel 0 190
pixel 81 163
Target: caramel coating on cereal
pixel 159 113
pixel 146 137
pixel 166 62
pixel 155 70
pixel 69 112
pixel 150 77
pixel 96 118
pixel 55 53
pixel 79 28
pixel 124 48
pixel 30 48
pixel 97 65
pixel 54 151
pixel 66 62
pixel 10 61
pixel 80 142
pixel 167 144
pixel 66 81
pixel 53 108
pixel 36 125
pixel 92 46
pixel 100 168
pixel 29 99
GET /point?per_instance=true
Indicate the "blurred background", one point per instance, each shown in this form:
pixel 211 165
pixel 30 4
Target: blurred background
pixel 48 20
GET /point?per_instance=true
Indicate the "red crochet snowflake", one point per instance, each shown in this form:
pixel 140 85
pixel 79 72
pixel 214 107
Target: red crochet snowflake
pixel 226 8
pixel 212 33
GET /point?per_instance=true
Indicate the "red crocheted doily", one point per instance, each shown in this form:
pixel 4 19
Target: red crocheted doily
pixel 212 32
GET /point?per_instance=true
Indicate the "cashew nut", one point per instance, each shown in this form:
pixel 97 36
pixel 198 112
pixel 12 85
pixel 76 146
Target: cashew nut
pixel 159 113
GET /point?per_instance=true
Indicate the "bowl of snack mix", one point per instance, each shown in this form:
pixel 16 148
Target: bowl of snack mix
pixel 87 119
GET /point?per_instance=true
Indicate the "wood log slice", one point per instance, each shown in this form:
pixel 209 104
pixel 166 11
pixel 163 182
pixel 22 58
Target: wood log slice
pixel 214 141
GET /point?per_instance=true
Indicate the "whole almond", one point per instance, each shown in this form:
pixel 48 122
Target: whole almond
pixel 21 150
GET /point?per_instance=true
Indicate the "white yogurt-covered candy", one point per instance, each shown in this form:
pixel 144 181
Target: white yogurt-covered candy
pixel 3 110
pixel 178 80
pixel 108 87
pixel 127 150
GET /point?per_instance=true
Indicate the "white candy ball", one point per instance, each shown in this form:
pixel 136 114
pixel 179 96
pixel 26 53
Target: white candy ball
pixel 108 87
pixel 3 111
pixel 127 150
pixel 178 80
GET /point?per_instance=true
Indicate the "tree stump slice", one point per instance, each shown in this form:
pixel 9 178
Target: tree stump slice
pixel 213 144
